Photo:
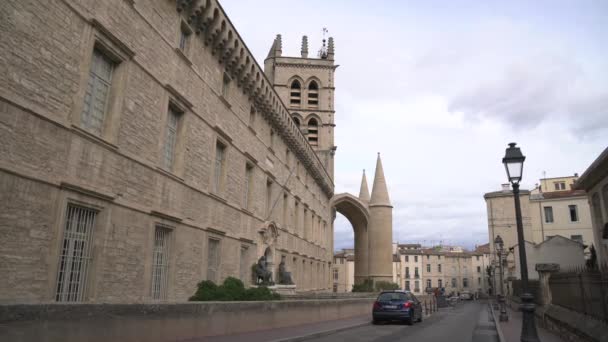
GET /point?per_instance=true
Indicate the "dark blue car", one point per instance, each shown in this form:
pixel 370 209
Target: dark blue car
pixel 397 306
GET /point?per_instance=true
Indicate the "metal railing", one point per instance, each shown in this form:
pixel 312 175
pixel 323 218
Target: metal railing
pixel 583 290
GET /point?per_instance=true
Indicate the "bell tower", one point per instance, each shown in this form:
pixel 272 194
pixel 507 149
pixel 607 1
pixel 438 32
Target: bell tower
pixel 306 86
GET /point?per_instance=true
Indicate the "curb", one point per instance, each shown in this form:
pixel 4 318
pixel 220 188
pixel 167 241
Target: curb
pixel 501 337
pixel 320 333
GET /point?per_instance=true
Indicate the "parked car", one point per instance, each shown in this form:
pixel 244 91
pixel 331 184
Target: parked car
pixel 466 295
pixel 397 305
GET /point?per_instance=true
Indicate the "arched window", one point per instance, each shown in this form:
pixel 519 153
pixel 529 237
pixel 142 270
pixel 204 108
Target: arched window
pixel 297 121
pixel 313 94
pixel 295 93
pixel 313 132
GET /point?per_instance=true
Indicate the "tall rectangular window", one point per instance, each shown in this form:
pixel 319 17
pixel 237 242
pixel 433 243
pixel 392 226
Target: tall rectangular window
pixel 268 198
pixel 285 209
pixel 407 258
pixel 429 283
pixel 244 264
pixel 416 286
pixel 439 283
pixel 220 155
pixel 428 268
pixel 407 285
pixel 252 118
pixel 296 216
pixel 478 269
pixel 97 92
pixel 248 185
pixel 439 268
pixel 454 284
pixel 478 281
pixel 160 263
pixel 407 272
pixel 415 258
pixel 75 255
pixel 416 272
pixel 465 282
pixel 213 260
pixel 170 138
pixel 548 214
pixel 184 37
pixel 573 213
pixel 272 139
pixel 225 85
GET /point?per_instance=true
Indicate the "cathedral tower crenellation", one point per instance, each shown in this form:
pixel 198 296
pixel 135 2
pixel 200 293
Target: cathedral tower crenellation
pixel 306 86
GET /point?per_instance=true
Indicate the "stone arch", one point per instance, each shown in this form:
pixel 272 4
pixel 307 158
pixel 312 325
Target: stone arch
pixel 358 215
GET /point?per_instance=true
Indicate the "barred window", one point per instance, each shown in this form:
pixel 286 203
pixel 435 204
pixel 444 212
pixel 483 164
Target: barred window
pixel 313 132
pixel 160 263
pixel 213 260
pixel 170 138
pixel 244 263
pixel 97 92
pixel 75 255
pixel 248 185
pixel 220 152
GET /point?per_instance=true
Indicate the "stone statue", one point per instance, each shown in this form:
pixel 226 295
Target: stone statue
pixel 263 276
pixel 284 276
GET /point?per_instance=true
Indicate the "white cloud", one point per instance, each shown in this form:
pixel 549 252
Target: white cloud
pixel 441 90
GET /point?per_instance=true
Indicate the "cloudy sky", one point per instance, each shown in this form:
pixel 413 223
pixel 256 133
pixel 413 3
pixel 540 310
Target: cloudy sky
pixel 441 87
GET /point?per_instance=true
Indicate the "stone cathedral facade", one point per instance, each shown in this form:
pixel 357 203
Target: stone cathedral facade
pixel 143 149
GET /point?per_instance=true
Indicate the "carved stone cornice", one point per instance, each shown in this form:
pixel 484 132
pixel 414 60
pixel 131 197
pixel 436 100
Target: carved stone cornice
pixel 215 29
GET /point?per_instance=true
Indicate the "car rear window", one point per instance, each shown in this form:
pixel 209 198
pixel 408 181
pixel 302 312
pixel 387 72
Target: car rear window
pixel 393 296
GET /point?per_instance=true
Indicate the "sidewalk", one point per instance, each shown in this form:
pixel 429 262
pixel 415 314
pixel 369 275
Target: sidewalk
pixel 511 330
pixel 291 333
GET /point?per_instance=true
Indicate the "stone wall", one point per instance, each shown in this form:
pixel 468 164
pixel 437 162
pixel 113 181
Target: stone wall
pixel 172 321
pixel 48 159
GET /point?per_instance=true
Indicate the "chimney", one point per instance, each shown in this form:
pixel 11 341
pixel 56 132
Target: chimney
pixel 575 174
pixel 506 187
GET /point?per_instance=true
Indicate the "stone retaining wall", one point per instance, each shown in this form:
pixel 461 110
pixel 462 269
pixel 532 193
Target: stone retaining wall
pixel 208 318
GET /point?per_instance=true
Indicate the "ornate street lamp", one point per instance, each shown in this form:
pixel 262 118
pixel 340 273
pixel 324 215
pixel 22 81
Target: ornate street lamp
pixel 514 165
pixel 499 246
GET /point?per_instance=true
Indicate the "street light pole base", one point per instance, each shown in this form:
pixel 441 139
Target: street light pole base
pixel 528 327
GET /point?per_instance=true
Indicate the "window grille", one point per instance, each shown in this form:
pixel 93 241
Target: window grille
pixel 97 92
pixel 248 184
pixel 160 263
pixel 170 138
pixel 75 255
pixel 244 265
pixel 219 166
pixel 213 260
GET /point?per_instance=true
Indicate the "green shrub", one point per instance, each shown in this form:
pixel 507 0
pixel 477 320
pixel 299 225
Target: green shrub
pixel 366 286
pixel 386 286
pixel 232 289
pixel 369 286
pixel 206 291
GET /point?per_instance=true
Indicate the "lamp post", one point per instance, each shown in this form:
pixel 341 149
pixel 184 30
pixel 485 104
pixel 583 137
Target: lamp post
pixel 498 245
pixel 514 165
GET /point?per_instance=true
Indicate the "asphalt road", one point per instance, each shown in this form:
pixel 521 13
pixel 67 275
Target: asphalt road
pixel 455 324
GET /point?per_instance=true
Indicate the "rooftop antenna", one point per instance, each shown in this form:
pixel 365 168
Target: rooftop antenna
pixel 323 50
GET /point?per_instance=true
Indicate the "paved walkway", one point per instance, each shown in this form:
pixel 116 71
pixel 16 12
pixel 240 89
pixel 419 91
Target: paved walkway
pixel 511 330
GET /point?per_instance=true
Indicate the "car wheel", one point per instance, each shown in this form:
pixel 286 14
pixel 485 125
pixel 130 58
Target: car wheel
pixel 375 321
pixel 410 320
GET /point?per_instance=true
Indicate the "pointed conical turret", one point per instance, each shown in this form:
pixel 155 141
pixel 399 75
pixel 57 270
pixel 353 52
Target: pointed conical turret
pixel 364 192
pixel 379 191
pixel 276 48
